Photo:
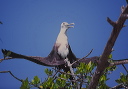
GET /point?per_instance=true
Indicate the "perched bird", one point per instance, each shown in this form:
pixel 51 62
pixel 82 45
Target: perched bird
pixel 60 51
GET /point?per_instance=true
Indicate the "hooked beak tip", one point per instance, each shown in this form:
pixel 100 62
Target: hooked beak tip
pixel 72 23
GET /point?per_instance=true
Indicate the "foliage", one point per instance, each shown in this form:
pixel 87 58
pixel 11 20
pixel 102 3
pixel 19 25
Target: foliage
pixel 25 84
pixel 57 79
pixel 123 79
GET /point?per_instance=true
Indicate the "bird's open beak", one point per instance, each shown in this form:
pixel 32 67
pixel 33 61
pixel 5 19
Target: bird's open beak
pixel 70 25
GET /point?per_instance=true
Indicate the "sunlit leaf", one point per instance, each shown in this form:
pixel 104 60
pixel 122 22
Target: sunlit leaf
pixel 36 80
pixel 25 84
pixel 110 56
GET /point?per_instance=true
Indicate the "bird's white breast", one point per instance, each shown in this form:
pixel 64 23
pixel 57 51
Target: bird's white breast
pixel 63 48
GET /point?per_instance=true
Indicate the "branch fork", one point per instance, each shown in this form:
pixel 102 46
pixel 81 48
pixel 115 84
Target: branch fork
pixel 117 26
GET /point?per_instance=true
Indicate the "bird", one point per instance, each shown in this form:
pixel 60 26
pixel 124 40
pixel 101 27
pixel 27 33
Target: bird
pixel 61 50
pixel 62 40
pixel 56 58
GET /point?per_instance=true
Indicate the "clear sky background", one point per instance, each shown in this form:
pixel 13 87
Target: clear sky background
pixel 30 27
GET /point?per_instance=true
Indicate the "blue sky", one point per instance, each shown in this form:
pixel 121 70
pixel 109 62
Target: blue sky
pixel 31 27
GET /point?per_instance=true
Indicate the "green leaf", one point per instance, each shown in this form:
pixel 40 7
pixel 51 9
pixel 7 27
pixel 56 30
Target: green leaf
pixel 103 86
pixel 85 68
pixel 62 80
pixel 48 72
pixel 110 68
pixel 88 66
pixel 118 81
pixel 48 83
pixel 54 86
pixel 110 56
pixel 103 78
pixel 25 84
pixel 123 79
pixel 36 80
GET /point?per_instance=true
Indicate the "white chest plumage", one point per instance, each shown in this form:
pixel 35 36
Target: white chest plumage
pixel 62 40
pixel 63 45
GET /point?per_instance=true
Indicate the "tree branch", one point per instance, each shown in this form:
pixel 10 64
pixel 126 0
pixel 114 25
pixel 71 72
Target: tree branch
pixel 119 86
pixel 119 62
pixel 111 22
pixel 103 63
pixel 11 75
pixel 125 68
pixel 6 59
pixel 82 58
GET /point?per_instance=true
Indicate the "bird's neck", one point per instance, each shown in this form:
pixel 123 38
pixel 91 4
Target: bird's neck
pixel 62 40
pixel 63 31
pixel 62 36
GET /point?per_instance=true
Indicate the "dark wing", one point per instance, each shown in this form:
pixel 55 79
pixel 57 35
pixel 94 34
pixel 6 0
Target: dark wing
pixel 51 60
pixel 46 61
pixel 54 57
pixel 71 55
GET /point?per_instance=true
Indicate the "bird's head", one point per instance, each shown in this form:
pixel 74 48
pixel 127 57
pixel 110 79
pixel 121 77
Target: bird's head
pixel 65 25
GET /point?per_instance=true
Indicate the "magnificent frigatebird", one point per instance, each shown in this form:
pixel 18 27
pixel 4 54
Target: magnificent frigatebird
pixel 60 51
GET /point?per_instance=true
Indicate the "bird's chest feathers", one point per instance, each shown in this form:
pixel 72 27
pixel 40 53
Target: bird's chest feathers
pixel 63 45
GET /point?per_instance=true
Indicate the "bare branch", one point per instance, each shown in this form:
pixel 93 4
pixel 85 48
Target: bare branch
pixel 111 22
pixel 119 86
pixel 6 59
pixel 103 63
pixel 119 62
pixel 87 54
pixel 125 68
pixel 62 72
pixel 11 75
pixel 83 57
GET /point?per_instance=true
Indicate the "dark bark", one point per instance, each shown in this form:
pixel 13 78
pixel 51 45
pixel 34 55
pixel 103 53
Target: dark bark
pixel 103 63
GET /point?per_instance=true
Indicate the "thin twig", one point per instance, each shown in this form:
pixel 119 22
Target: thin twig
pixel 17 78
pixel 119 86
pixel 54 75
pixel 88 54
pixel 82 58
pixel 11 75
pixel 63 72
pixel 125 68
pixel 6 59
